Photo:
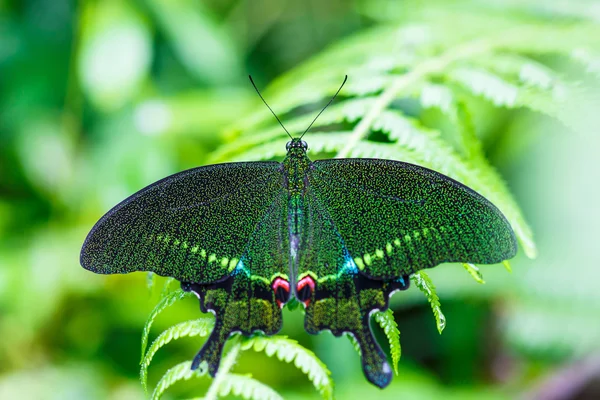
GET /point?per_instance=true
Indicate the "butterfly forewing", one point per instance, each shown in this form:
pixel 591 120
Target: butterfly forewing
pixel 193 226
pixel 397 218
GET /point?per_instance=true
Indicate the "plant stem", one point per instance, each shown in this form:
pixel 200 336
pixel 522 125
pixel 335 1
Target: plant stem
pixel 226 366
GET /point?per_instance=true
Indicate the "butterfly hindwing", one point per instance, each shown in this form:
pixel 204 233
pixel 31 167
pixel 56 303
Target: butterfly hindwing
pixel 397 218
pixel 193 226
pixel 338 298
pixel 248 300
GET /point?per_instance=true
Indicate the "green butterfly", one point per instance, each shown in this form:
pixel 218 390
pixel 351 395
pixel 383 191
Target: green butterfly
pixel 338 235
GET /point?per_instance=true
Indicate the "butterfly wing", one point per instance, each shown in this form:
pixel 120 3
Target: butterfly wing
pixel 194 225
pixel 220 230
pixel 397 218
pixel 341 299
pixel 368 225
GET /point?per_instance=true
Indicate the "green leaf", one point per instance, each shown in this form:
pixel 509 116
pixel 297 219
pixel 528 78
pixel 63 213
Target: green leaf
pixel 388 323
pixel 165 302
pixel 167 287
pixel 474 271
pixel 535 87
pixel 486 84
pixel 289 351
pixel 396 73
pixel 247 387
pixel 354 342
pixel 198 327
pixel 425 285
pixel 182 371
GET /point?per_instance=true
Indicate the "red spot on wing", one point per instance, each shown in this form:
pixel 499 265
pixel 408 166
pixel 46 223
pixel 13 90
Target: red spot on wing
pixel 305 289
pixel 307 280
pixel 281 287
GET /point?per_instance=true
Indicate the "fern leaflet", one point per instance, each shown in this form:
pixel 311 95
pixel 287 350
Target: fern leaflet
pixel 388 323
pixel 198 327
pixel 289 350
pixel 425 285
pixel 165 302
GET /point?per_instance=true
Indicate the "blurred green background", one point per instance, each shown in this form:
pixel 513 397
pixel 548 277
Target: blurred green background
pixel 101 98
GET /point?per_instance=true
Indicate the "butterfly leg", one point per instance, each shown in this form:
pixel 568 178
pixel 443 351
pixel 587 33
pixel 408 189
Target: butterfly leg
pixel 345 305
pixel 240 304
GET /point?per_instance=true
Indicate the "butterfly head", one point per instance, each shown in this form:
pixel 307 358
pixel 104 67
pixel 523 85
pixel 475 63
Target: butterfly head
pixel 296 144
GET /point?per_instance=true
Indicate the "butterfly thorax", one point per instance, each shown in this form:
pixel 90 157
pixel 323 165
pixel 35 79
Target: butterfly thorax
pixel 295 169
pixel 296 165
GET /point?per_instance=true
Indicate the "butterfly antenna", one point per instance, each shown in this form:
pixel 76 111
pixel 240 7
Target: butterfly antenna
pixel 262 98
pixel 330 101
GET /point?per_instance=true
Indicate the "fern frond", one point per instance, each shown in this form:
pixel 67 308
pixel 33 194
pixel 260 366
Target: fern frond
pixel 537 75
pixel 354 342
pixel 435 95
pixel 471 146
pixel 486 84
pixel 474 271
pixel 226 365
pixel 537 90
pixel 289 350
pixel 389 325
pixel 247 387
pixel 425 285
pixel 198 327
pixel 167 286
pixel 165 302
pixel 587 58
pixel 180 372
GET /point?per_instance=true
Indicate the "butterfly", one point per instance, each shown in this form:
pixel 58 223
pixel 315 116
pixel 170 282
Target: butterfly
pixel 339 236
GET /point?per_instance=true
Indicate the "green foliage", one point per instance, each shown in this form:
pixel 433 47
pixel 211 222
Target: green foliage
pixel 289 350
pixel 474 271
pixel 425 285
pixel 168 300
pixel 182 371
pixel 198 327
pixel 286 350
pixel 247 387
pixel 390 328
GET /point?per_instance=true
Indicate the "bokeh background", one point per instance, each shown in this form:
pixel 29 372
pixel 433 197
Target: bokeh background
pixel 101 98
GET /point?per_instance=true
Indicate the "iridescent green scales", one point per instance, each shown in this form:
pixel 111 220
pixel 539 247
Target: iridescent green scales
pixel 338 235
